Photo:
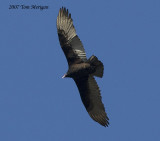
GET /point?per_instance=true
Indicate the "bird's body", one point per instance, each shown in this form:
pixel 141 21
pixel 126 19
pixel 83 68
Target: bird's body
pixel 81 69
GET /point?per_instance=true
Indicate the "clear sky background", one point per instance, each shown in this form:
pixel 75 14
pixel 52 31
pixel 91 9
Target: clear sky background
pixel 36 104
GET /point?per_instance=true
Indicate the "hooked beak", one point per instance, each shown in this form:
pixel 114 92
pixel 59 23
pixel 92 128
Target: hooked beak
pixel 64 76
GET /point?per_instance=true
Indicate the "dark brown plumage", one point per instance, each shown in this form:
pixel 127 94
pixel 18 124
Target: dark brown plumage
pixel 80 69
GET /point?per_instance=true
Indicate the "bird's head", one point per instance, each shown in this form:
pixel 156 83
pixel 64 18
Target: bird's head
pixel 66 75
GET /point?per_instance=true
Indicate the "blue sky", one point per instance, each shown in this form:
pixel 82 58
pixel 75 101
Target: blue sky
pixel 36 104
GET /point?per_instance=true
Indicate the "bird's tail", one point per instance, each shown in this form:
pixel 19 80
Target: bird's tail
pixel 93 60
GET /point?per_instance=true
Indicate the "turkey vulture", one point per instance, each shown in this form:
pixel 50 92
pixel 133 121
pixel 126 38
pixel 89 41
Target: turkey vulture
pixel 81 69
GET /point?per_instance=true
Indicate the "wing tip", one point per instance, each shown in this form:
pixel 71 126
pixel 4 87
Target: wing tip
pixel 64 12
pixel 101 119
pixel 65 24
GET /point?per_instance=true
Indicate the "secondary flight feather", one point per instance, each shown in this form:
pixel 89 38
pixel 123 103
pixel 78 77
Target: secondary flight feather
pixel 81 69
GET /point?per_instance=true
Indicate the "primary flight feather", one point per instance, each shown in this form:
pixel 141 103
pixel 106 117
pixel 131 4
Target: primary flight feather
pixel 81 69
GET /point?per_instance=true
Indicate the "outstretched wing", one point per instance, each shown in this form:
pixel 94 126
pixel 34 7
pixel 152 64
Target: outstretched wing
pixel 91 98
pixel 70 43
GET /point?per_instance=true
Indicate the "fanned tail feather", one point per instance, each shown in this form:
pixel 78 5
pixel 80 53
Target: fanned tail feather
pixel 98 64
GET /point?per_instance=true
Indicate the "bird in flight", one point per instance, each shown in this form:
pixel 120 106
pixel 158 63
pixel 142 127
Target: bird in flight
pixel 81 69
